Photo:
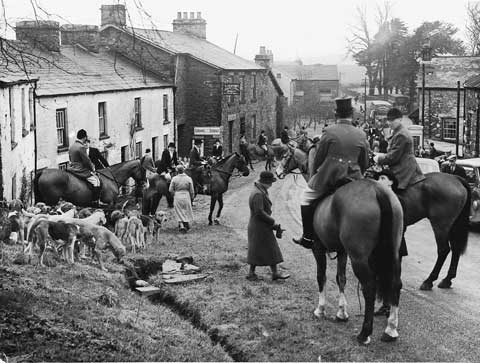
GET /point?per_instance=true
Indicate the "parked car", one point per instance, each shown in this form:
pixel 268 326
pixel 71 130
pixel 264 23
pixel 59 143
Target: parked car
pixel 472 167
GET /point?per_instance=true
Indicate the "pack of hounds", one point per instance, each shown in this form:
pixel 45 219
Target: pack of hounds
pixel 72 232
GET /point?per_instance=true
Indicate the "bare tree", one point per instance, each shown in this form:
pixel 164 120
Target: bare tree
pixel 473 27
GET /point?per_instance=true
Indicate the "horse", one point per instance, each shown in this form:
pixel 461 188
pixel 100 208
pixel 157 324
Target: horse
pixel 273 151
pixel 153 194
pixel 364 220
pixel 51 185
pixel 220 176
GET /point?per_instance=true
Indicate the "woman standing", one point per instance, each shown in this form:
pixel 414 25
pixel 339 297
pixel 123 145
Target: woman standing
pixel 181 188
pixel 263 248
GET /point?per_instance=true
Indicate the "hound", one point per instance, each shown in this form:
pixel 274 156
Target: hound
pixel 135 233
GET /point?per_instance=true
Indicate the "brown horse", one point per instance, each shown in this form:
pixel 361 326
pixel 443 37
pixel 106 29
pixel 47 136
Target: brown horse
pixel 51 185
pixel 273 151
pixel 363 220
pixel 220 176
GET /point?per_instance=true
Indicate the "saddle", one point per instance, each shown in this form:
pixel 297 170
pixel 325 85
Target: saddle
pixel 260 151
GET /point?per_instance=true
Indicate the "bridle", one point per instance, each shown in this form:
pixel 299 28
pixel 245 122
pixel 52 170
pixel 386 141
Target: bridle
pixel 112 178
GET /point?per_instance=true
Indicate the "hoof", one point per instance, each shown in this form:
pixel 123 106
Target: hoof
pixel 445 284
pixel 216 221
pixel 341 320
pixel 387 338
pixel 362 340
pixel 426 286
pixel 210 223
pixel 320 313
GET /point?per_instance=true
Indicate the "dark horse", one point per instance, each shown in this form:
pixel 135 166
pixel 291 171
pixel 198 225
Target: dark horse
pixel 363 220
pixel 220 176
pixel 51 185
pixel 276 150
pixel 153 194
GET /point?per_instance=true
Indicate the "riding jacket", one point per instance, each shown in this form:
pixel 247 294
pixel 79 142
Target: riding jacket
pixel 195 159
pixel 167 161
pixel 341 153
pixel 80 163
pixel 400 158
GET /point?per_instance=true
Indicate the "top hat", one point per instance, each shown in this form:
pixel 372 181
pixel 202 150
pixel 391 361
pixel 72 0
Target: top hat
pixel 198 141
pixel 343 105
pixel 393 114
pixel 266 177
pixel 172 144
pixel 81 134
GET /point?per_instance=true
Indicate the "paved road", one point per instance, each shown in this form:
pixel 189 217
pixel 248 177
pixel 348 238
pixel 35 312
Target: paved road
pixel 437 325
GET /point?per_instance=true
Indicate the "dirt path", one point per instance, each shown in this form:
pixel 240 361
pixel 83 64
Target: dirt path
pixel 440 325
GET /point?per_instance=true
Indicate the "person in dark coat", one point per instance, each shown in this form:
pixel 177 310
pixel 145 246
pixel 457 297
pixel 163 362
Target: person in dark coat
pixel 262 141
pixel 196 164
pixel 341 153
pixel 452 168
pixel 168 161
pixel 96 156
pixel 263 249
pixel 433 153
pixel 217 150
pixel 400 156
pixel 284 137
pixel 243 147
pixel 383 145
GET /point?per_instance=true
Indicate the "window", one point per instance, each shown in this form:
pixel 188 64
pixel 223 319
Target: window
pixel 63 166
pixel 123 154
pixel 24 113
pixel 165 109
pixel 138 112
pixel 30 108
pixel 138 150
pixel 11 101
pixel 254 127
pixel 231 98
pixel 242 88
pixel 254 87
pixel 14 186
pixel 62 138
pixel 449 130
pixel 102 119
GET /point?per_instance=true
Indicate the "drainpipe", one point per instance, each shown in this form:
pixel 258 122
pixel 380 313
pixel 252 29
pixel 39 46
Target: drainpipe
pixel 1 163
pixel 35 152
pixel 174 103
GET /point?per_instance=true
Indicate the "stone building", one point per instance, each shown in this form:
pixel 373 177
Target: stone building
pixel 17 142
pixel 123 108
pixel 217 95
pixel 441 104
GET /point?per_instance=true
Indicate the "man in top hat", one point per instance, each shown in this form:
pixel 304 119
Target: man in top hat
pixel 196 164
pixel 451 167
pixel 167 162
pixel 341 154
pixel 96 156
pixel 217 150
pixel 400 156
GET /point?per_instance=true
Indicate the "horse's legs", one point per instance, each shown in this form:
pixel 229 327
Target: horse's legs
pixel 366 277
pixel 342 314
pixel 321 259
pixel 213 200
pixel 441 237
pixel 452 271
pixel 220 207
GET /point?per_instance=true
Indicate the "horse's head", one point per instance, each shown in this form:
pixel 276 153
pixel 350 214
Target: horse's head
pixel 241 164
pixel 294 158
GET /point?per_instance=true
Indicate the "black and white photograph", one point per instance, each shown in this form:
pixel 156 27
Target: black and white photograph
pixel 250 181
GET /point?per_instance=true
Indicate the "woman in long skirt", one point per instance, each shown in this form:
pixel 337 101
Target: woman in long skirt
pixel 181 188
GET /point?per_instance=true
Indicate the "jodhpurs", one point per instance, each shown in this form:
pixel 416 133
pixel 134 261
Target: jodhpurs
pixel 309 196
pixel 94 180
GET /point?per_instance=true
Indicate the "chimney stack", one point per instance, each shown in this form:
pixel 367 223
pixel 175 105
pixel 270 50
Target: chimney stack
pixel 190 26
pixel 264 58
pixel 113 15
pixel 85 35
pixel 44 34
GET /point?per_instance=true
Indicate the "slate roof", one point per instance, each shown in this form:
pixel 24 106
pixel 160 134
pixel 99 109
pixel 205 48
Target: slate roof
pixel 75 70
pixel 473 82
pixel 444 72
pixel 197 47
pixel 318 72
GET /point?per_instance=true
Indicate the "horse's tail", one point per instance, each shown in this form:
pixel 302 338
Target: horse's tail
pixel 385 258
pixel 459 232
pixel 36 189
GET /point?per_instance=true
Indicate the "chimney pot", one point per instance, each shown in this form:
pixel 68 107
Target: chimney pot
pixel 185 15
pixel 199 15
pixel 114 15
pixel 262 50
pixel 179 15
pixel 192 26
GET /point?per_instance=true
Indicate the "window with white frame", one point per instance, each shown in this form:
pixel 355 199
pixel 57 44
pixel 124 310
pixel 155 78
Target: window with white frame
pixel 61 120
pixel 138 150
pixel 165 109
pixel 449 128
pixel 102 119
pixel 138 112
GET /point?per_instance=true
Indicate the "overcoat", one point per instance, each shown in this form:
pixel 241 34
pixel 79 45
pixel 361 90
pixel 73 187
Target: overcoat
pixel 400 158
pixel 263 248
pixel 342 152
pixel 167 161
pixel 217 151
pixel 195 159
pixel 80 163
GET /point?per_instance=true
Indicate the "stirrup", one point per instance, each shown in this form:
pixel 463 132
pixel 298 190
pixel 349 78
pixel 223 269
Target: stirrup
pixel 304 242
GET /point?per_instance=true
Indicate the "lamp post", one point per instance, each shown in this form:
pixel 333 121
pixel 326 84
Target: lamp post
pixel 426 57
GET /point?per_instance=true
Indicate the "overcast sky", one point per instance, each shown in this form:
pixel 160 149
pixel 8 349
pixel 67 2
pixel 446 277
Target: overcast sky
pixel 308 29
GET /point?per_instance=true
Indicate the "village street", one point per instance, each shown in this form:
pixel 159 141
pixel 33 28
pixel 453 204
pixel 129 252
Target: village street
pixel 438 325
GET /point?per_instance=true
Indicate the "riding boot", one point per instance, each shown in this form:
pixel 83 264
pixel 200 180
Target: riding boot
pixel 307 221
pixel 96 196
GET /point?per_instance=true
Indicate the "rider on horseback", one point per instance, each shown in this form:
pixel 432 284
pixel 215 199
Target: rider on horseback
pixel 196 164
pixel 262 141
pixel 341 154
pixel 82 166
pixel 169 161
